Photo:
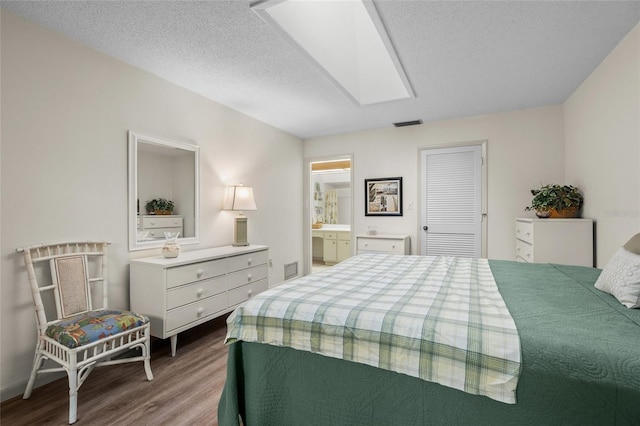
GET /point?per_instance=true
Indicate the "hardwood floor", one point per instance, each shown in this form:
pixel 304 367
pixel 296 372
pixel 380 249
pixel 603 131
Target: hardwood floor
pixel 185 389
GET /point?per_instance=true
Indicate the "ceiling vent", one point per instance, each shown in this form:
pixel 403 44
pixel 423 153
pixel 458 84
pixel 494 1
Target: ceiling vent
pixel 408 123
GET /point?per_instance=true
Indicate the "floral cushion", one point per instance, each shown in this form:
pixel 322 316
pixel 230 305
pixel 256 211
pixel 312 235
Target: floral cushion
pixel 89 327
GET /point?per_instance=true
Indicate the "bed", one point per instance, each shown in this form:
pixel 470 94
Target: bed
pixel 579 363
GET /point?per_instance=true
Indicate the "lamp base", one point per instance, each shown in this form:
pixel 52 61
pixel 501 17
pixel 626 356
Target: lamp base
pixel 240 232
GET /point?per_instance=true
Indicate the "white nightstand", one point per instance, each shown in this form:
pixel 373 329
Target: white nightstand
pixel 383 243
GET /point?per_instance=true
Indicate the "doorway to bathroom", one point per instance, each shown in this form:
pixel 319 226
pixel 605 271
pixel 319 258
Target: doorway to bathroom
pixel 329 212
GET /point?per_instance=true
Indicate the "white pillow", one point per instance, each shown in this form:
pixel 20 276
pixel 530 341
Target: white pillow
pixel 621 278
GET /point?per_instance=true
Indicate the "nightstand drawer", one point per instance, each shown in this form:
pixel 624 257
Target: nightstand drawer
pixel 240 294
pixel 244 261
pixel 197 291
pixel 247 276
pixel 196 311
pixel 524 231
pixel 195 272
pixel 380 245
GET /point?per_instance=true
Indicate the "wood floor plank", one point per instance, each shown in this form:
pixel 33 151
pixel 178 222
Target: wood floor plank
pixel 185 389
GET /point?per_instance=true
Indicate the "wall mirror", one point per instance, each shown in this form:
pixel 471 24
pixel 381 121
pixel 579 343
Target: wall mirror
pixel 163 191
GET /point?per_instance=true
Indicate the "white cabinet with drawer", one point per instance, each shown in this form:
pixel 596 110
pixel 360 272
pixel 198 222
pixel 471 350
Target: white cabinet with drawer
pixel 157 225
pixel 564 241
pixel 336 245
pixel 195 287
pixel 383 243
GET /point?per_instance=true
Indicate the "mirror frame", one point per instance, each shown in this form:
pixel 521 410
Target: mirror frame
pixel 134 139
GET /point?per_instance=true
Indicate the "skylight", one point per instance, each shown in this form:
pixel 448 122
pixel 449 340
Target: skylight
pixel 347 40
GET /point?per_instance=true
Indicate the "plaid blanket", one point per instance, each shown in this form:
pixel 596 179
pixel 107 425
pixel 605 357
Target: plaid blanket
pixel 441 319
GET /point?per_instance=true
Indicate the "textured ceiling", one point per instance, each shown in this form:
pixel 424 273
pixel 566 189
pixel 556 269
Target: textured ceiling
pixel 462 58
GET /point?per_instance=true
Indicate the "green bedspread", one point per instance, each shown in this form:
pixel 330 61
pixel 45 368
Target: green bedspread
pixel 438 318
pixel 580 357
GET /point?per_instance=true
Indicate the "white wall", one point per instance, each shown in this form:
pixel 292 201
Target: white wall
pixel 602 138
pixel 66 110
pixel 525 150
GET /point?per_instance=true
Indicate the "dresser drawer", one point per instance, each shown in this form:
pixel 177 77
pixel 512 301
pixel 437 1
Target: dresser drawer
pixel 247 276
pixel 524 231
pixel 161 222
pixel 159 232
pixel 195 272
pixel 195 311
pixel 244 261
pixel 330 236
pixel 183 295
pixel 242 293
pixel 524 251
pixel 380 245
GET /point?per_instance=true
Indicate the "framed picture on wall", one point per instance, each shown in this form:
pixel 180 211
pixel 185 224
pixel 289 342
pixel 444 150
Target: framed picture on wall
pixel 383 197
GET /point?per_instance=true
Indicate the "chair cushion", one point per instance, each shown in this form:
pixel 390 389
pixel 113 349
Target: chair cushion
pixel 89 327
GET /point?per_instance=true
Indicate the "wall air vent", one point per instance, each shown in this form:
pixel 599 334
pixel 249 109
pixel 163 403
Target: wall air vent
pixel 290 270
pixel 408 123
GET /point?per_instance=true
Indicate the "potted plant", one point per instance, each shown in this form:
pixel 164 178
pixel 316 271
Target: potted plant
pixel 556 201
pixel 160 206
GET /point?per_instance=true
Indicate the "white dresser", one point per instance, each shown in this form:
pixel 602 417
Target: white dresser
pixel 157 225
pixel 197 286
pixel 383 243
pixel 564 241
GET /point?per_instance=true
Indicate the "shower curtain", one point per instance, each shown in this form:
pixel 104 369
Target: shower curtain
pixel 331 206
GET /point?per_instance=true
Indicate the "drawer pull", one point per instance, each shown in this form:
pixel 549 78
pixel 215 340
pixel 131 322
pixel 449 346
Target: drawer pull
pixel 250 293
pixel 393 246
pixel 249 277
pixel 249 261
pixel 366 244
pixel 200 272
pixel 199 292
pixel 200 311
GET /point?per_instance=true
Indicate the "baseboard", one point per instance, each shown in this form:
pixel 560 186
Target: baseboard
pixel 17 389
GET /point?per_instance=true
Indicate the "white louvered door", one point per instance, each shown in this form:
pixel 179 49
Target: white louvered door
pixel 451 213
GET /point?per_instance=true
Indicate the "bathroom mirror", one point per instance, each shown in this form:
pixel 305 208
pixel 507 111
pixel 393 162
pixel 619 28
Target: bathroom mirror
pixel 163 191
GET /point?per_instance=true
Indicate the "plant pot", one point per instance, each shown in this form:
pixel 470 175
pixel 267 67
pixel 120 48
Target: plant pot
pixel 570 212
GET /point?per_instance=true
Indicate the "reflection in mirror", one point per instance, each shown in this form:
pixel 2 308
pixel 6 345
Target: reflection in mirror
pixel 163 191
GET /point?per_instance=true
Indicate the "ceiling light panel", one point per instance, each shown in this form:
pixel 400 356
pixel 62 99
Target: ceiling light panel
pixel 347 40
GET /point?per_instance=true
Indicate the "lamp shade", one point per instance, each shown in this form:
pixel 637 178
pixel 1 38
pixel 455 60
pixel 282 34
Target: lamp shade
pixel 239 198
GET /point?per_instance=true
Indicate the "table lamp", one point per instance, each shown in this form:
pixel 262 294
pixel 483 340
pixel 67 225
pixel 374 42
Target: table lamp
pixel 239 198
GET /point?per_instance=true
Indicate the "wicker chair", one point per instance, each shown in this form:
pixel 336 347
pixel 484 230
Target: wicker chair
pixel 74 335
